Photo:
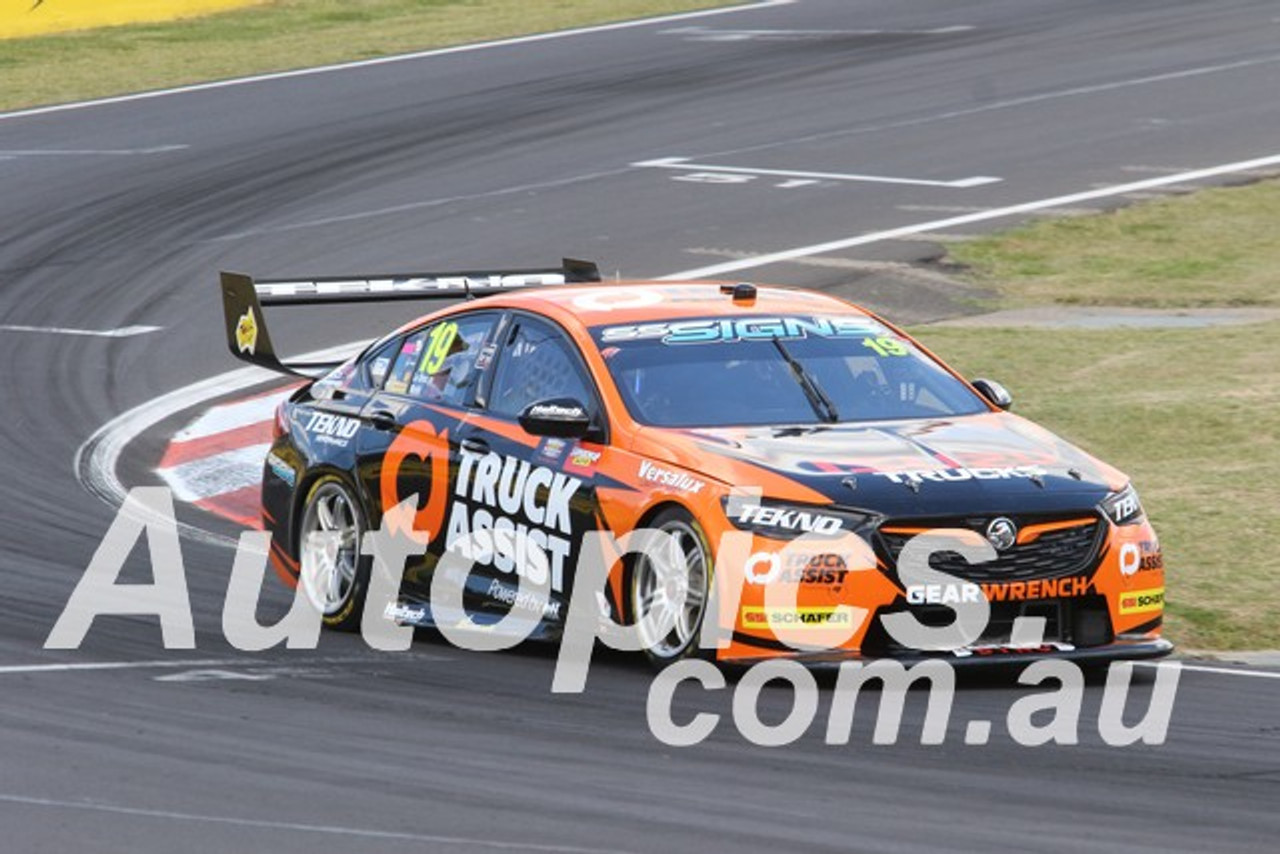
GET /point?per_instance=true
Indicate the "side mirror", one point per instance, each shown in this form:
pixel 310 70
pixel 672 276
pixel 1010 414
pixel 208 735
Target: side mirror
pixel 561 418
pixel 994 392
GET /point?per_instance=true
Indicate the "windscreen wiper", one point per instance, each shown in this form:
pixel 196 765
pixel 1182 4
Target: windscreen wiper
pixel 823 406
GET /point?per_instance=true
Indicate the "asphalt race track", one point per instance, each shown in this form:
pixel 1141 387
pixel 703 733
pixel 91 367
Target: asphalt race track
pixel 763 130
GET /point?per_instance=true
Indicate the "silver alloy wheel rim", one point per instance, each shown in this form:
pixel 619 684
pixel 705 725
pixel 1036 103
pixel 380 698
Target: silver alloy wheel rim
pixel 330 549
pixel 658 576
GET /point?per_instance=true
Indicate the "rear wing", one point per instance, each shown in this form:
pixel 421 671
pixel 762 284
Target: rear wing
pixel 243 299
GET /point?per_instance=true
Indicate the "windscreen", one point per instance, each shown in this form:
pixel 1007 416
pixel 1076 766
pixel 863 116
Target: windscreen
pixel 800 369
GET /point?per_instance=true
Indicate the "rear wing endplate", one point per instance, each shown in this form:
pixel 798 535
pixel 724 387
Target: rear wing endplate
pixel 243 299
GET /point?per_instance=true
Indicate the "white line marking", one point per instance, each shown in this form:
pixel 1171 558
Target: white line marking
pixel 1162 170
pixel 92 152
pixel 682 163
pixel 178 664
pixel 328 830
pixel 109 665
pixel 1256 674
pixel 707 34
pixel 387 60
pixel 975 208
pixel 966 219
pixel 123 332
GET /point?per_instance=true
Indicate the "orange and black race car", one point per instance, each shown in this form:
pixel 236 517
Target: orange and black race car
pixel 793 448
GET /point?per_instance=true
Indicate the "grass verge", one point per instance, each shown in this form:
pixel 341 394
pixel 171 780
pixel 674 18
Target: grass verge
pixel 1192 415
pixel 1216 247
pixel 279 35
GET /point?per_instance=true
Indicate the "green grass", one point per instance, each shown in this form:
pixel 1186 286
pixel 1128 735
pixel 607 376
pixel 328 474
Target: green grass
pixel 1192 415
pixel 1213 248
pixel 280 35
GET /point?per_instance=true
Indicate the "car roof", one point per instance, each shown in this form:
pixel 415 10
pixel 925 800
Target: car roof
pixel 641 301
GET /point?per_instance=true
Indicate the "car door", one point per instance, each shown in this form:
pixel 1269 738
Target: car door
pixel 411 442
pixel 536 493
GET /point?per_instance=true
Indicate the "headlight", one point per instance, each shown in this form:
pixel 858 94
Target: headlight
pixel 1123 507
pixel 788 521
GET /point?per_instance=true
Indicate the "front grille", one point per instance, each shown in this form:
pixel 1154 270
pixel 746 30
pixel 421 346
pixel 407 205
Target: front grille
pixel 1053 554
pixel 1083 622
pixel 999 628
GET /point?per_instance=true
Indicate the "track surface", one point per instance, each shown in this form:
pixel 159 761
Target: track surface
pixel 516 155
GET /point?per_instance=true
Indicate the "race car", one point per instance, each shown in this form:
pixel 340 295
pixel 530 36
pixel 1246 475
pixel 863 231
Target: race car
pixel 793 450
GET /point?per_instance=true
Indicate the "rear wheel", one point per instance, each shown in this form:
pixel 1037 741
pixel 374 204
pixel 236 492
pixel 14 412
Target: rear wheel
pixel 659 576
pixel 334 573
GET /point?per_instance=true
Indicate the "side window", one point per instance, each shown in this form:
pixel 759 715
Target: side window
pixel 405 363
pixel 379 363
pixel 448 360
pixel 537 363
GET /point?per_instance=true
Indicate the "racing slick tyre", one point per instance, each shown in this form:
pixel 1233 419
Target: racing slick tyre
pixel 334 574
pixel 658 576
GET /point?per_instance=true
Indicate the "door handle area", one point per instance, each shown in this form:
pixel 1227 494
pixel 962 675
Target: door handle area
pixel 475 446
pixel 382 419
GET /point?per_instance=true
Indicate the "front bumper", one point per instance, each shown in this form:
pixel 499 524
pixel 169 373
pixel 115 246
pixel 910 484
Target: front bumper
pixel 1122 649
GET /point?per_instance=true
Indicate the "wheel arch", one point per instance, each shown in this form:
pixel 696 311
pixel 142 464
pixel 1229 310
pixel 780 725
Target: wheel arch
pixel 623 577
pixel 307 482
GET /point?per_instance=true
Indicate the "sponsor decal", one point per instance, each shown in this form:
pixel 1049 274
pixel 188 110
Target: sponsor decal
pixel 790 519
pixel 525 508
pixel 411 284
pixel 329 429
pixel 768 568
pixel 247 332
pixel 755 617
pixel 1040 588
pixel 525 600
pixel 955 475
pixel 400 613
pixel 942 594
pixel 556 411
pixel 1142 601
pixel 582 459
pixel 1140 557
pixel 670 478
pixel 727 330
pixel 281 469
pixel 552 450
pixel 995 649
pixel 419 440
pixel 1124 507
pixel 1014 591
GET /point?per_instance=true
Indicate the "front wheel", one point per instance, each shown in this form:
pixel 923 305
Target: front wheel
pixel 681 564
pixel 334 574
